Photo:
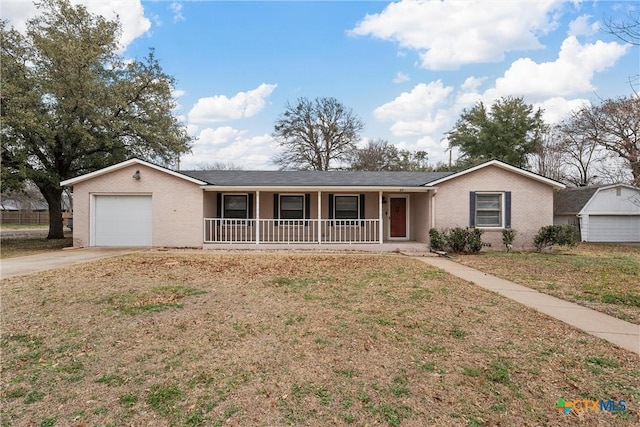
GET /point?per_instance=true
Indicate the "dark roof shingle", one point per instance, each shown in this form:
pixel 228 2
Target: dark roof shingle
pixel 315 178
pixel 570 201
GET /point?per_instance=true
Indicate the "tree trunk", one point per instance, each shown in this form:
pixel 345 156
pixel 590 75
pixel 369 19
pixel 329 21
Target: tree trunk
pixel 53 196
pixel 635 172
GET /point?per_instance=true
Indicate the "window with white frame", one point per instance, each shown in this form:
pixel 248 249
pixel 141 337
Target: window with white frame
pixel 488 210
pixel 346 207
pixel 235 206
pixel 291 207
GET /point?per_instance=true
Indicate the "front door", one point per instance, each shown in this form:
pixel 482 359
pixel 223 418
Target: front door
pixel 398 217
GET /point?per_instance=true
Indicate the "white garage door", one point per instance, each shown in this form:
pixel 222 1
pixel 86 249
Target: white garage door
pixel 614 228
pixel 122 221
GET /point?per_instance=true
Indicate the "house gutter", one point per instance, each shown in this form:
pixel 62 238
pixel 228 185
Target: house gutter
pixel 281 188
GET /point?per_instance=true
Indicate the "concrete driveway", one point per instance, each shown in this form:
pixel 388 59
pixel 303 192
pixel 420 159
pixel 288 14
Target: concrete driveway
pixel 19 266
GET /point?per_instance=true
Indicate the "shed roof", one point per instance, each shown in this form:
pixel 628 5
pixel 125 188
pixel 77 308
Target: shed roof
pixel 570 201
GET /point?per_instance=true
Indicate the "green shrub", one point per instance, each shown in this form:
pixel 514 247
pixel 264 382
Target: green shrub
pixel 508 236
pixel 474 240
pixel 437 241
pixel 456 239
pixel 561 235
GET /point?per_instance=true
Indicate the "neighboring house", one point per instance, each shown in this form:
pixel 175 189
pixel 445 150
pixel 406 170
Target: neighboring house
pixel 606 213
pixel 136 203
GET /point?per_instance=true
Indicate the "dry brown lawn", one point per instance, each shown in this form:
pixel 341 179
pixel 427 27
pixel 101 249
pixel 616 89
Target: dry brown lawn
pixel 600 276
pixel 193 338
pixel 10 248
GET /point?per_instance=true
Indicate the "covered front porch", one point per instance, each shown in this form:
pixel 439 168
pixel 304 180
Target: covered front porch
pixel 330 217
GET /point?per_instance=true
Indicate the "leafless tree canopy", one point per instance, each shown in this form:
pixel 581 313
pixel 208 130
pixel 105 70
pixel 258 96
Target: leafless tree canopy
pixel 219 166
pixel 379 155
pixel 316 134
pixel 595 144
pixel 619 131
pixel 627 30
pixel 579 141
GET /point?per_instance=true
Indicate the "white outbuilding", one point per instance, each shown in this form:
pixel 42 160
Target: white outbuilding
pixel 609 213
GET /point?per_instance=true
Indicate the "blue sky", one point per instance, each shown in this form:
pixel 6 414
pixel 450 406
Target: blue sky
pixel 408 69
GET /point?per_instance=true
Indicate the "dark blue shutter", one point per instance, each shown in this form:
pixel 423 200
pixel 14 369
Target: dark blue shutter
pixel 219 205
pixel 276 208
pixel 250 206
pixel 472 209
pixel 362 210
pixel 507 209
pixel 307 207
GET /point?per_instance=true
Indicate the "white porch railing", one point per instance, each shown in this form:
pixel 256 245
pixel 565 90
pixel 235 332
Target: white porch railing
pixel 217 230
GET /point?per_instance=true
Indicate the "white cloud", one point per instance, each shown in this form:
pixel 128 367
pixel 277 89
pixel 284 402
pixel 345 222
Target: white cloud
pixel 557 108
pixel 130 13
pixel 178 93
pixel 472 83
pixel 401 77
pixel 581 26
pixel 449 34
pixel 571 73
pixel 229 145
pixel 221 108
pixel 420 101
pixel 417 112
pixel 176 8
pixel 219 136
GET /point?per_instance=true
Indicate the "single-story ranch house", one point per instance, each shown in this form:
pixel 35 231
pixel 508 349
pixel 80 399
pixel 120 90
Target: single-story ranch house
pixel 605 213
pixel 136 203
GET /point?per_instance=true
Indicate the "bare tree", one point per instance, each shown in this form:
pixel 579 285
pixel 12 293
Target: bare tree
pixel 549 160
pixel 580 136
pixel 613 170
pixel 627 30
pixel 316 134
pixel 380 155
pixel 219 166
pixel 377 155
pixel 619 131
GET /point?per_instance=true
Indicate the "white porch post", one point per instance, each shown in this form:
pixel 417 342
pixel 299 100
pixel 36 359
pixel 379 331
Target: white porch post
pixel 257 217
pixel 319 217
pixel 380 225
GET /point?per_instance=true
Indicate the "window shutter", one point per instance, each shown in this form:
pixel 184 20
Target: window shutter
pixel 330 205
pixel 361 209
pixel 472 209
pixel 307 208
pixel 219 205
pixel 276 208
pixel 507 209
pixel 250 206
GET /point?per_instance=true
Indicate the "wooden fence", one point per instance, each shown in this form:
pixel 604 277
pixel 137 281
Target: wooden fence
pixel 24 217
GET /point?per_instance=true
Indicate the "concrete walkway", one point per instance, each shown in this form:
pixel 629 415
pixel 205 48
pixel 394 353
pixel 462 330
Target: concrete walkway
pixel 623 334
pixel 19 266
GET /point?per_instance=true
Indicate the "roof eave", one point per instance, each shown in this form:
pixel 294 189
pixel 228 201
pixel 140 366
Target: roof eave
pixel 127 163
pixel 324 188
pixel 555 184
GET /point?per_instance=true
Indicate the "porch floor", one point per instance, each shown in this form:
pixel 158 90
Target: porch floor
pixel 388 246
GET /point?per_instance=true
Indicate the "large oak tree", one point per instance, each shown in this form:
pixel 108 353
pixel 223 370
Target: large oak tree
pixel 71 104
pixel 510 130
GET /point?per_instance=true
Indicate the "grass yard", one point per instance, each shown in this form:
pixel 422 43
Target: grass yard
pixel 602 277
pixel 190 338
pixel 10 248
pixel 23 226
